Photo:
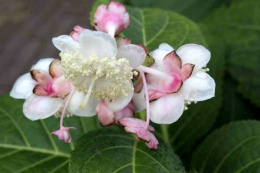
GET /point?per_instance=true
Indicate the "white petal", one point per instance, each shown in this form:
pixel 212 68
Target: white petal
pixel 139 101
pixel 43 64
pixel 194 54
pixel 65 43
pixel 121 102
pixel 23 87
pixel 198 87
pixel 159 54
pixel 41 107
pixel 133 53
pixel 98 43
pixel 75 102
pixel 167 109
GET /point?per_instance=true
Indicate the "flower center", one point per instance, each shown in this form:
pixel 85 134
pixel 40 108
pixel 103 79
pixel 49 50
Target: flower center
pixel 107 78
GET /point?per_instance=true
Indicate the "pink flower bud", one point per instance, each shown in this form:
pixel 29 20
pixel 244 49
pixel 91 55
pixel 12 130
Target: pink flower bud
pixel 112 19
pixel 63 134
pixel 75 34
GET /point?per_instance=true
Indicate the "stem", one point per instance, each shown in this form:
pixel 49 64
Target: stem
pixel 147 101
pixel 165 133
pixel 65 107
pixel 152 71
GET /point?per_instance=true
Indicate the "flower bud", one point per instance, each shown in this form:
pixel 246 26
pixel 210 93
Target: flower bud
pixel 112 19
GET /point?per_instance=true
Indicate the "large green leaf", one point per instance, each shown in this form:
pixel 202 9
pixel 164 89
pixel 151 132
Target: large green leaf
pixel 234 107
pixel 239 28
pixel 107 150
pixel 233 148
pixel 26 146
pixel 194 9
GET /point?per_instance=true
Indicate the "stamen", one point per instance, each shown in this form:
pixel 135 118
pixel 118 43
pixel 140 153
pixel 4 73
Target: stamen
pixel 65 107
pixel 147 101
pixel 85 101
pixel 152 71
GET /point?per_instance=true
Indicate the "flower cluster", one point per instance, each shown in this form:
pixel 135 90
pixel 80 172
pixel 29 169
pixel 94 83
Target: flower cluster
pixel 100 73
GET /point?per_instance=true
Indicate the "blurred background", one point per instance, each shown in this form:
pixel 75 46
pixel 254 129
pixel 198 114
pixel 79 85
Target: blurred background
pixel 27 28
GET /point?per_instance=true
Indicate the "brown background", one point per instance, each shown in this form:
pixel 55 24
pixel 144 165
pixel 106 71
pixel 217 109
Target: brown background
pixel 27 28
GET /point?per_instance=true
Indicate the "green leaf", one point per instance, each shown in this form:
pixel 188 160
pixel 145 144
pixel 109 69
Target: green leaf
pixel 107 150
pixel 234 107
pixel 233 148
pixel 194 9
pixel 27 146
pixel 239 28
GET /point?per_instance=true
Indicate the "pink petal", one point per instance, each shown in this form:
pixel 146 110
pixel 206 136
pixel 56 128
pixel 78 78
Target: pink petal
pixel 75 34
pixel 40 76
pixel 186 71
pixel 61 87
pixel 172 63
pixel 155 94
pixel 105 115
pixel 152 144
pixel 55 69
pixel 128 111
pixel 170 84
pixel 132 122
pixel 78 28
pixel 39 90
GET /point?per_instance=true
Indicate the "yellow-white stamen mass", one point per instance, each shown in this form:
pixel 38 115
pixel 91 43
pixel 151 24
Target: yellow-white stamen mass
pixel 109 78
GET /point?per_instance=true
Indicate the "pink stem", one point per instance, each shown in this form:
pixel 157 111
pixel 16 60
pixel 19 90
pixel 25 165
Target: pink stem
pixel 147 101
pixel 65 107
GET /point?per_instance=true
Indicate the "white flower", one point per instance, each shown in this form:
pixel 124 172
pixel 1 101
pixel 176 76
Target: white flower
pixel 44 89
pixel 98 69
pixel 186 81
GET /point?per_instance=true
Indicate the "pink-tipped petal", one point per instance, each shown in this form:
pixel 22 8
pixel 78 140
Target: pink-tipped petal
pixel 172 63
pixel 152 144
pixel 105 115
pixel 55 69
pixel 128 111
pixel 39 90
pixel 76 33
pixel 170 84
pixel 155 94
pixel 61 87
pixel 186 71
pixel 41 76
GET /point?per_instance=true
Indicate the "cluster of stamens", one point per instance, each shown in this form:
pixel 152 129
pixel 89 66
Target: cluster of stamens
pixel 111 77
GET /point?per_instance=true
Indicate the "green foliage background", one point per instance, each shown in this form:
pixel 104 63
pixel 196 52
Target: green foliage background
pixel 218 135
